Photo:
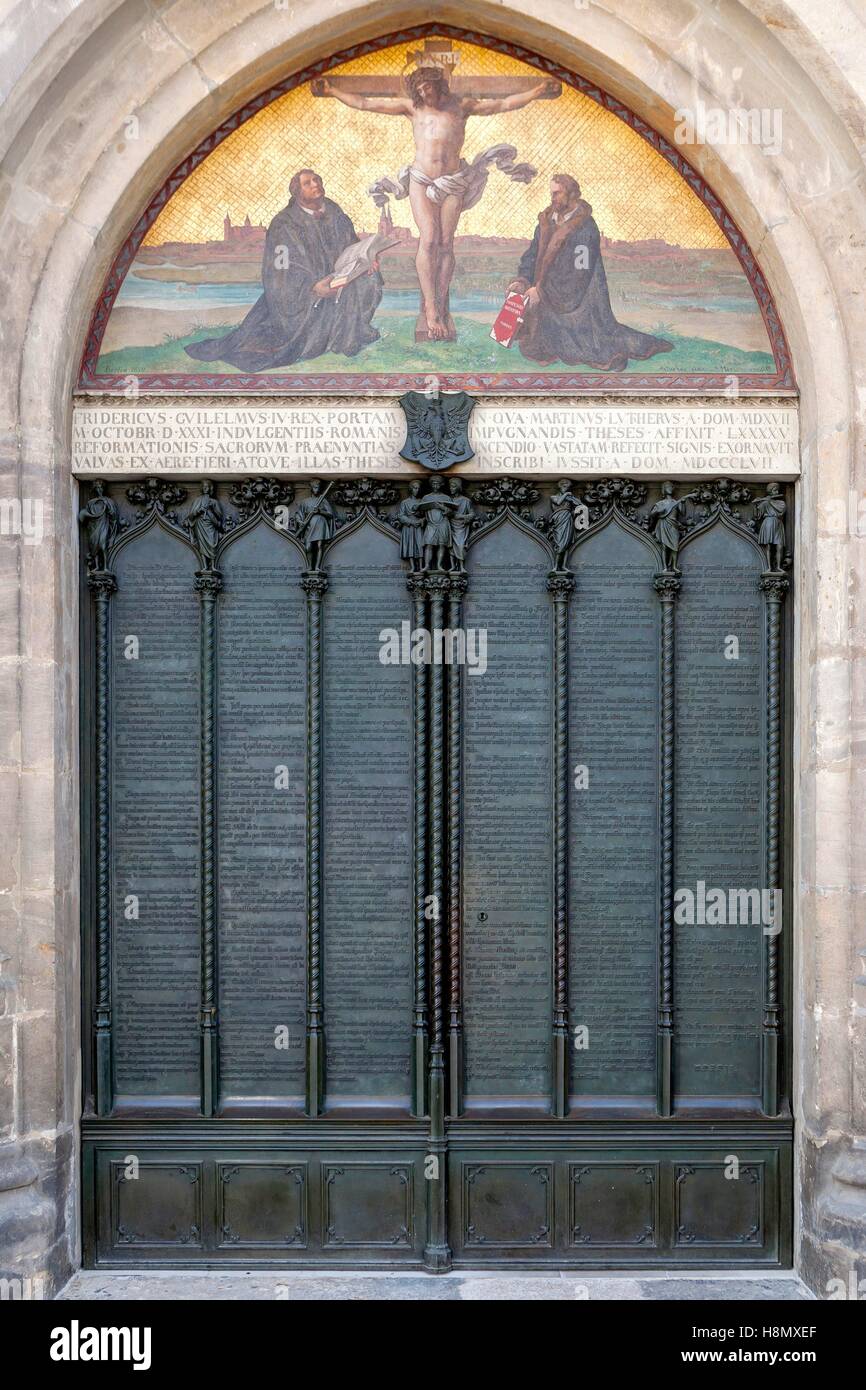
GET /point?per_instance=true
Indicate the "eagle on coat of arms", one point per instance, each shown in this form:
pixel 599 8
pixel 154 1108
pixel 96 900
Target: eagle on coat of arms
pixel 437 428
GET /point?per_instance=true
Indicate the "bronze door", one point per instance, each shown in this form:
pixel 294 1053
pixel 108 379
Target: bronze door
pixel 433 894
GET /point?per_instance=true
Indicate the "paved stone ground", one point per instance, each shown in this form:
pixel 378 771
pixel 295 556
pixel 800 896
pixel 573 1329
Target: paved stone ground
pixel 296 1286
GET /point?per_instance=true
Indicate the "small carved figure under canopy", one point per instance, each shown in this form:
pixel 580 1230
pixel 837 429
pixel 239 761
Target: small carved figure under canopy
pixel 315 522
pixel 205 522
pixel 665 520
pixel 410 520
pixel 770 512
pixel 100 521
pixel 461 524
pixel 568 513
pixel 436 539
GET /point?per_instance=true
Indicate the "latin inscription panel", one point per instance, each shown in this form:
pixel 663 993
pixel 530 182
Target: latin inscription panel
pixel 719 815
pixel 261 797
pixel 506 812
pixel 613 821
pixel 155 818
pixel 367 824
pixel 508 822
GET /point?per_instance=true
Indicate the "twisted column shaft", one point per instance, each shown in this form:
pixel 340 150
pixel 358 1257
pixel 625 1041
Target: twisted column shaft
pixel 458 586
pixel 208 584
pixel 315 586
pixel 420 1060
pixel 667 586
pixel 774 586
pixel 560 584
pixel 102 585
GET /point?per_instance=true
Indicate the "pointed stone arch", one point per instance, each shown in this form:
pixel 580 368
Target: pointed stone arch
pixel 74 191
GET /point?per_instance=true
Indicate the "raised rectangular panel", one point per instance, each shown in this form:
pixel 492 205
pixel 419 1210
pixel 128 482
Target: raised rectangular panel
pixel 714 1209
pixel 155 1203
pixel 508 1206
pixel 367 1206
pixel 261 1206
pixel 613 1205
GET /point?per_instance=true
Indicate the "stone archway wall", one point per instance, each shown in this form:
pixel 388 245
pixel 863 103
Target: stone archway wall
pixel 72 185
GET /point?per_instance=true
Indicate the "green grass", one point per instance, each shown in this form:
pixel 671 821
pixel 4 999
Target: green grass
pixel 396 351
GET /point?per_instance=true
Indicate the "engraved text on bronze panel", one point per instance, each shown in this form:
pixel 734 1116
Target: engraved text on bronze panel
pixel 508 822
pixel 613 842
pixel 719 782
pixel 261 781
pixel 367 824
pixel 155 818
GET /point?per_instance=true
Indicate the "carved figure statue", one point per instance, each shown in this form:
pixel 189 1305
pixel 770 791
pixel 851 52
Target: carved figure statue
pixel 770 512
pixel 100 521
pixel 665 520
pixel 461 524
pixel 563 505
pixel 436 539
pixel 315 521
pixel 410 520
pixel 205 522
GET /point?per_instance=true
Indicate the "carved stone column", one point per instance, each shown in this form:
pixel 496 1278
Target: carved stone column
pixel 417 585
pixel 102 585
pixel 208 585
pixel 315 586
pixel 437 1254
pixel 774 586
pixel 560 584
pixel 667 586
pixel 458 586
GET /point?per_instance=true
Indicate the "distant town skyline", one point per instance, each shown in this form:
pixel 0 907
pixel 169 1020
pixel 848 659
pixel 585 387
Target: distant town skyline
pixel 248 235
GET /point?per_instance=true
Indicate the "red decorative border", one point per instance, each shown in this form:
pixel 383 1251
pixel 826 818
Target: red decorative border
pixel 779 382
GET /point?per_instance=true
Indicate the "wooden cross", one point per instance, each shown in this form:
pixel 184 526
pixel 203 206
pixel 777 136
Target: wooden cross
pixel 368 85
pixel 436 53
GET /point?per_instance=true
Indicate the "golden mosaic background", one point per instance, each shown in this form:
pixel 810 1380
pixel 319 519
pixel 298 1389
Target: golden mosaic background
pixel 634 192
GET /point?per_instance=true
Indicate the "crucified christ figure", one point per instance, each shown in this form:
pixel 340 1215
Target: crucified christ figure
pixel 439 183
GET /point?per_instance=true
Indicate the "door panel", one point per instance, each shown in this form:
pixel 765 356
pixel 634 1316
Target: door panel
pixel 366 827
pixel 154 790
pixel 614 700
pixel 508 826
pixel 720 821
pixel 261 719
pixel 396 881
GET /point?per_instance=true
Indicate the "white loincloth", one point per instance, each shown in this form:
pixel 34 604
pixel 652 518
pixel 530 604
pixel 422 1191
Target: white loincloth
pixel 468 182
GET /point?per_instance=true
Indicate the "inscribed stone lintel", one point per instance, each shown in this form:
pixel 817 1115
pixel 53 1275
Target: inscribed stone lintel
pixel 731 438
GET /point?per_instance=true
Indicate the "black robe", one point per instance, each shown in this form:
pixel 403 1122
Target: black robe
pixel 288 324
pixel 573 322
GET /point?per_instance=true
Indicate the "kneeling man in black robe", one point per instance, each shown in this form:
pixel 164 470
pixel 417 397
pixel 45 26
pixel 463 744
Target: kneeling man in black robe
pixel 568 317
pixel 299 316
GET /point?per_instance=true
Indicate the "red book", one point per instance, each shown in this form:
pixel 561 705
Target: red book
pixel 508 320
